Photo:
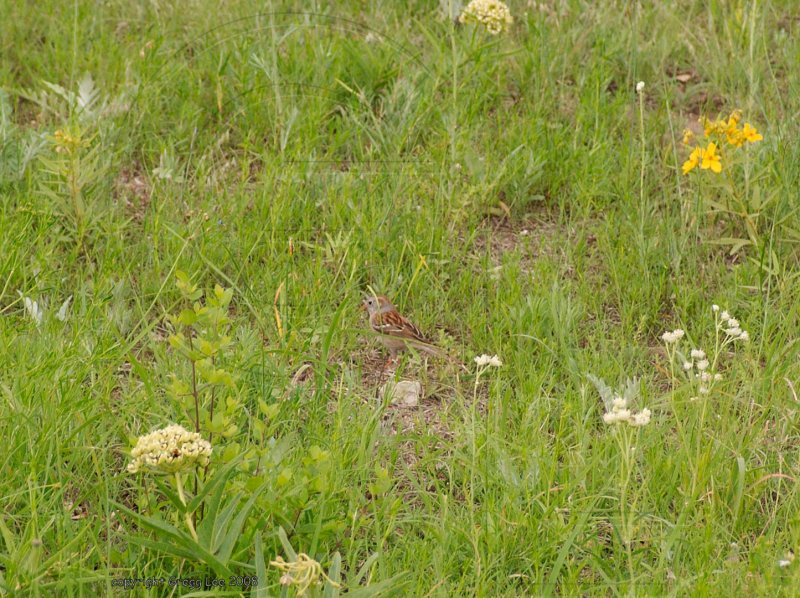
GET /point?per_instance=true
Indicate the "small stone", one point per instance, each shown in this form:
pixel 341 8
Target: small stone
pixel 405 393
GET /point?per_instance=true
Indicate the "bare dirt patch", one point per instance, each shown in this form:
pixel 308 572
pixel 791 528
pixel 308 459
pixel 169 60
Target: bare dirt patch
pixel 132 189
pixel 532 237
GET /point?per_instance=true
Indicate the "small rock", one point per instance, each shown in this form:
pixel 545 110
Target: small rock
pixel 405 393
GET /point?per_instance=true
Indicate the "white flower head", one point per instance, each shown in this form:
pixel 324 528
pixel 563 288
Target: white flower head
pixel 703 390
pixel 641 419
pixel 618 403
pixel 715 308
pixel 482 360
pixel 672 337
pixel 33 309
pixel 717 377
pixel 698 354
pixel 169 450
pixel 744 336
pixel 640 87
pixel 62 311
pixel 623 415
pixel 733 323
pixel 492 14
pixel 488 360
pixel 734 332
pixel 702 365
pixel 725 316
pixel 687 365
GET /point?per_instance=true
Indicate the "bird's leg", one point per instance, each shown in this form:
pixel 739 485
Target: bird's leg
pixel 393 358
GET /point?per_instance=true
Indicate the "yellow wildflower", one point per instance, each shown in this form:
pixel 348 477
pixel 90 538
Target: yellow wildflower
pixel 734 137
pixel 732 132
pixel 711 159
pixel 67 141
pixel 303 573
pixel 688 135
pixel 694 159
pixel 750 134
pixel 710 127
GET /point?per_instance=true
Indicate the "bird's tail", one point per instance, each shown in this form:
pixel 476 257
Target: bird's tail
pixel 435 351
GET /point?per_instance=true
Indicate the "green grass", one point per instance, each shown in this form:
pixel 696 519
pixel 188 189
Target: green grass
pixel 492 187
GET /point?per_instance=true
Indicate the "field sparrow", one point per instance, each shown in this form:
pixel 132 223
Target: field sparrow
pixel 395 331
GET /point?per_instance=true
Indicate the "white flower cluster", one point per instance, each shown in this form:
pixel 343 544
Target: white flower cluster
pixel 699 361
pixel 640 87
pixel 672 337
pixel 731 326
pixel 169 450
pixel 621 414
pixel 488 360
pixel 785 562
pixel 492 14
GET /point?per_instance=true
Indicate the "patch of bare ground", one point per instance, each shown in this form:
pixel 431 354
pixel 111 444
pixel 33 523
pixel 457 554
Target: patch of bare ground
pixel 422 430
pixel 436 396
pixel 132 189
pixel 532 237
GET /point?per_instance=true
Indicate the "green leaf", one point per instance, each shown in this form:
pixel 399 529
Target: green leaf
pixel 331 591
pixel 169 493
pixel 218 423
pixel 391 586
pixel 364 570
pixel 738 493
pixel 287 546
pixel 207 348
pixel 566 548
pixel 284 477
pixel 230 452
pixel 605 391
pixel 261 570
pixel 269 411
pixel 205 529
pixel 187 317
pixel 219 478
pixel 736 244
pixel 234 532
pixel 219 529
pixel 382 483
pixel 8 537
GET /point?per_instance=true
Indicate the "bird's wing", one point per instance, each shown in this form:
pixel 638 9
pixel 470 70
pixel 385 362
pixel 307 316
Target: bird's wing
pixel 393 324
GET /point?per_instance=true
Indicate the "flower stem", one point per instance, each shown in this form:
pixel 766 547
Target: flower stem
pixel 186 516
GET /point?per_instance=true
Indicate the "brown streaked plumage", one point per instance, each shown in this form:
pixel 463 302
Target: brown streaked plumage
pixel 396 331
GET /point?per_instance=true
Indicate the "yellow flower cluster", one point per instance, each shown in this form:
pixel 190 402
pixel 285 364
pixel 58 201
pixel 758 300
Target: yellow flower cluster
pixel 303 573
pixel 169 450
pixel 492 14
pixel 718 132
pixel 707 158
pixel 67 142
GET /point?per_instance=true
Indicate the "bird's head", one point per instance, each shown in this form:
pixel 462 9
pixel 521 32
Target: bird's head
pixel 376 303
